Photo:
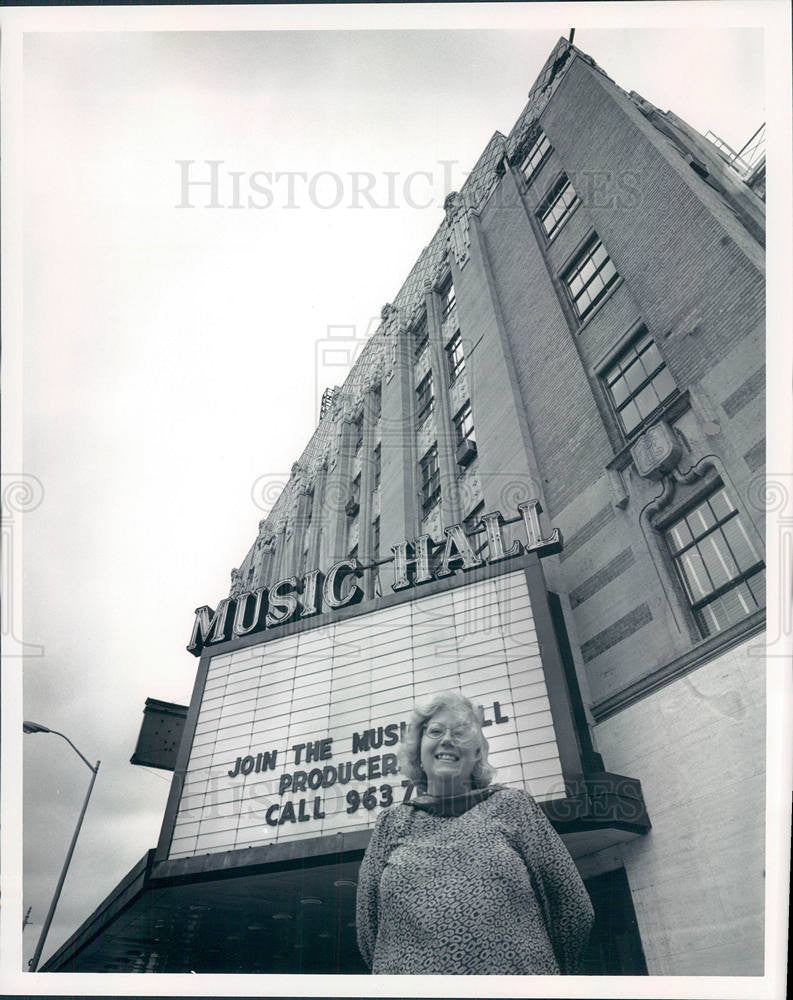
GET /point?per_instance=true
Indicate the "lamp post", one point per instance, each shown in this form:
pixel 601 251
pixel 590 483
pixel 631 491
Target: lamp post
pixel 35 727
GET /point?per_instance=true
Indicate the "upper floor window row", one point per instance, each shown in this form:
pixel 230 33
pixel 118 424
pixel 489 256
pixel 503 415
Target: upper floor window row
pixel 535 157
pixel 557 206
pixel 590 276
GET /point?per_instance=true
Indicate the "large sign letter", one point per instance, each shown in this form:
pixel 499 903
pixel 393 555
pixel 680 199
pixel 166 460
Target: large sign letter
pixel 210 626
pixel 340 588
pixel 458 551
pixel 495 539
pixel 530 511
pixel 420 558
pixel 283 602
pixel 256 617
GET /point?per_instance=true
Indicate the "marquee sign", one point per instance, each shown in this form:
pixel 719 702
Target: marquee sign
pixel 297 736
pixel 374 767
pixel 415 562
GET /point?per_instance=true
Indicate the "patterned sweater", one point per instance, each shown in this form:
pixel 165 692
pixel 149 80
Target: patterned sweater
pixel 492 890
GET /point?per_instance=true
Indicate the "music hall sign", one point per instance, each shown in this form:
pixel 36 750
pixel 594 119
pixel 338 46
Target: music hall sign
pixel 414 563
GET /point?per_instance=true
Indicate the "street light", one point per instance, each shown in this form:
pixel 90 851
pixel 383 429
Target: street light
pixel 35 727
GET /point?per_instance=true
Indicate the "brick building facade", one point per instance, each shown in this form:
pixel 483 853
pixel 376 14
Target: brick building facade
pixel 584 329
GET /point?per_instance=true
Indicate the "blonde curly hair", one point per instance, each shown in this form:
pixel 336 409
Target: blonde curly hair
pixel 409 753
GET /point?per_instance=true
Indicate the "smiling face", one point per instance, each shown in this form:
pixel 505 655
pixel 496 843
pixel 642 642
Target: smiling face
pixel 449 759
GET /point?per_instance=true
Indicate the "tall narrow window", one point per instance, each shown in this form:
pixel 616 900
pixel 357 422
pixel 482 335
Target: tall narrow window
pixel 464 435
pixel 455 360
pixel 358 434
pixel 425 400
pixel 719 566
pixel 430 479
pixel 378 454
pixel 421 339
pixel 378 404
pixel 535 157
pixel 353 504
pixel 376 538
pixel 638 383
pixel 448 297
pixel 590 277
pixel 557 207
pixel 464 424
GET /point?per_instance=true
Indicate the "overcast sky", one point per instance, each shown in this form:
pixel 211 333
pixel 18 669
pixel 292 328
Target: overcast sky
pixel 170 353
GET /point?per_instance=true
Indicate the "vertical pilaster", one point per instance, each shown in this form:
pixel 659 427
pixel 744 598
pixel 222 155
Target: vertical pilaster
pixel 447 465
pixel 263 555
pixel 367 485
pixel 398 517
pixel 301 528
pixel 318 518
pixel 334 543
pixel 279 556
pixel 512 423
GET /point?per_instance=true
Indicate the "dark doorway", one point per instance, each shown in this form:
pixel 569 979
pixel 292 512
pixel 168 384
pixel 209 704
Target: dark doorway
pixel 615 948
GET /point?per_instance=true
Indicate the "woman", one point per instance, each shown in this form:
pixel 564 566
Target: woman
pixel 470 877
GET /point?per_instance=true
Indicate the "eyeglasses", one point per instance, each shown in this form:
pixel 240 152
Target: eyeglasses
pixel 435 731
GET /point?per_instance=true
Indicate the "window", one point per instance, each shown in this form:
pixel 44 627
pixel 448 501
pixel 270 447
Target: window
pixel 454 358
pixel 464 424
pixel 421 339
pixel 590 277
pixel 638 382
pixel 425 400
pixel 447 297
pixel 430 480
pixel 377 409
pixel 535 157
pixel 353 504
pixel 376 538
pixel 718 564
pixel 558 206
pixel 378 453
pixel 358 434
